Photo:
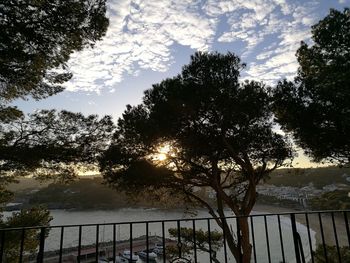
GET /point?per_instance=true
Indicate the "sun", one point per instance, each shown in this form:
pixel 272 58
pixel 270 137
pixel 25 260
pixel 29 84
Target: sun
pixel 162 153
pixel 161 156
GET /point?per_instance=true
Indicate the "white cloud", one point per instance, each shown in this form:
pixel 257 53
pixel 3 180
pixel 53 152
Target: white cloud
pixel 257 23
pixel 142 34
pixel 140 37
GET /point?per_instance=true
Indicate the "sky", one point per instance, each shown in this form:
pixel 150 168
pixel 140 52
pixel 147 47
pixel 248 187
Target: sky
pixel 148 41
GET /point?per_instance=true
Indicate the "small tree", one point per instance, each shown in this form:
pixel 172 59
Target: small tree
pixel 201 242
pixel 315 107
pixel 202 128
pixel 47 145
pixel 332 254
pixel 36 216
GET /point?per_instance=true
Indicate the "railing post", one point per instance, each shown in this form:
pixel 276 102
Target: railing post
pixel 281 238
pixel 253 237
pixel 309 237
pixel 2 246
pixel 130 244
pixel 347 226
pixel 40 257
pixel 97 242
pixel 22 245
pixel 163 241
pixel 209 242
pixel 336 237
pixel 61 245
pixel 267 239
pixel 323 237
pixel 295 238
pixel 79 243
pixel 114 242
pixel 239 236
pixel 147 243
pixel 194 240
pixel 179 243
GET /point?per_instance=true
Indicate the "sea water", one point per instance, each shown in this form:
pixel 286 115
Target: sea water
pixel 63 217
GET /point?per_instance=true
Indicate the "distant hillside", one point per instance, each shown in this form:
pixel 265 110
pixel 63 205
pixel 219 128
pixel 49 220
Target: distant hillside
pixel 296 177
pixel 25 183
pixel 81 194
pixel 90 193
pixel 85 193
pixel 319 177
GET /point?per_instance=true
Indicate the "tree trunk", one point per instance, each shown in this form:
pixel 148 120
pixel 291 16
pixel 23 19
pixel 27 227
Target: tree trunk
pixel 245 246
pixel 232 245
pixel 241 248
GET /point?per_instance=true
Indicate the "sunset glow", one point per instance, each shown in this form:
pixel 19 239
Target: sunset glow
pixel 163 152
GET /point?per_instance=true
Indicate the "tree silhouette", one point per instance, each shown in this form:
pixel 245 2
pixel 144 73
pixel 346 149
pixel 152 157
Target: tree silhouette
pixel 36 216
pixel 36 40
pixel 47 145
pixel 219 133
pixel 315 107
pixel 53 144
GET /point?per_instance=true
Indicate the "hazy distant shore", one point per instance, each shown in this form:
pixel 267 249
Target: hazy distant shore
pixel 272 209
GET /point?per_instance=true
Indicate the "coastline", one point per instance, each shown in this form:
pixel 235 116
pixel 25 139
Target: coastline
pixel 272 209
pixel 314 223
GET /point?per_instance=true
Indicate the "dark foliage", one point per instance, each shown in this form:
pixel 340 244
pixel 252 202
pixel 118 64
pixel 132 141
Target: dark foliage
pixel 36 40
pixel 38 36
pixel 52 141
pixel 47 144
pixel 336 200
pixel 212 124
pixel 36 216
pixel 315 107
pixel 218 131
pixel 332 254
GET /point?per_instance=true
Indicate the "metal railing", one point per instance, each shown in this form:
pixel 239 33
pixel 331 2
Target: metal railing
pixel 315 236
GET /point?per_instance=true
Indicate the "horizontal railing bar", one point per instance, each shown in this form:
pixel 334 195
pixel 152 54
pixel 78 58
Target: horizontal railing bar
pixel 175 220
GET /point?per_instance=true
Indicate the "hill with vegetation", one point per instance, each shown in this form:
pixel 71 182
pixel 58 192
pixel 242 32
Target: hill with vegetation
pixel 333 184
pixel 90 193
pixel 83 194
pixel 319 177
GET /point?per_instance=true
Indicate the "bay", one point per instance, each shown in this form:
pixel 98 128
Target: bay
pixel 64 217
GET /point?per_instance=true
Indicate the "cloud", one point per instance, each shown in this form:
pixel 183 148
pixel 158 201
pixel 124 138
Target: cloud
pixel 142 35
pixel 91 103
pixel 258 23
